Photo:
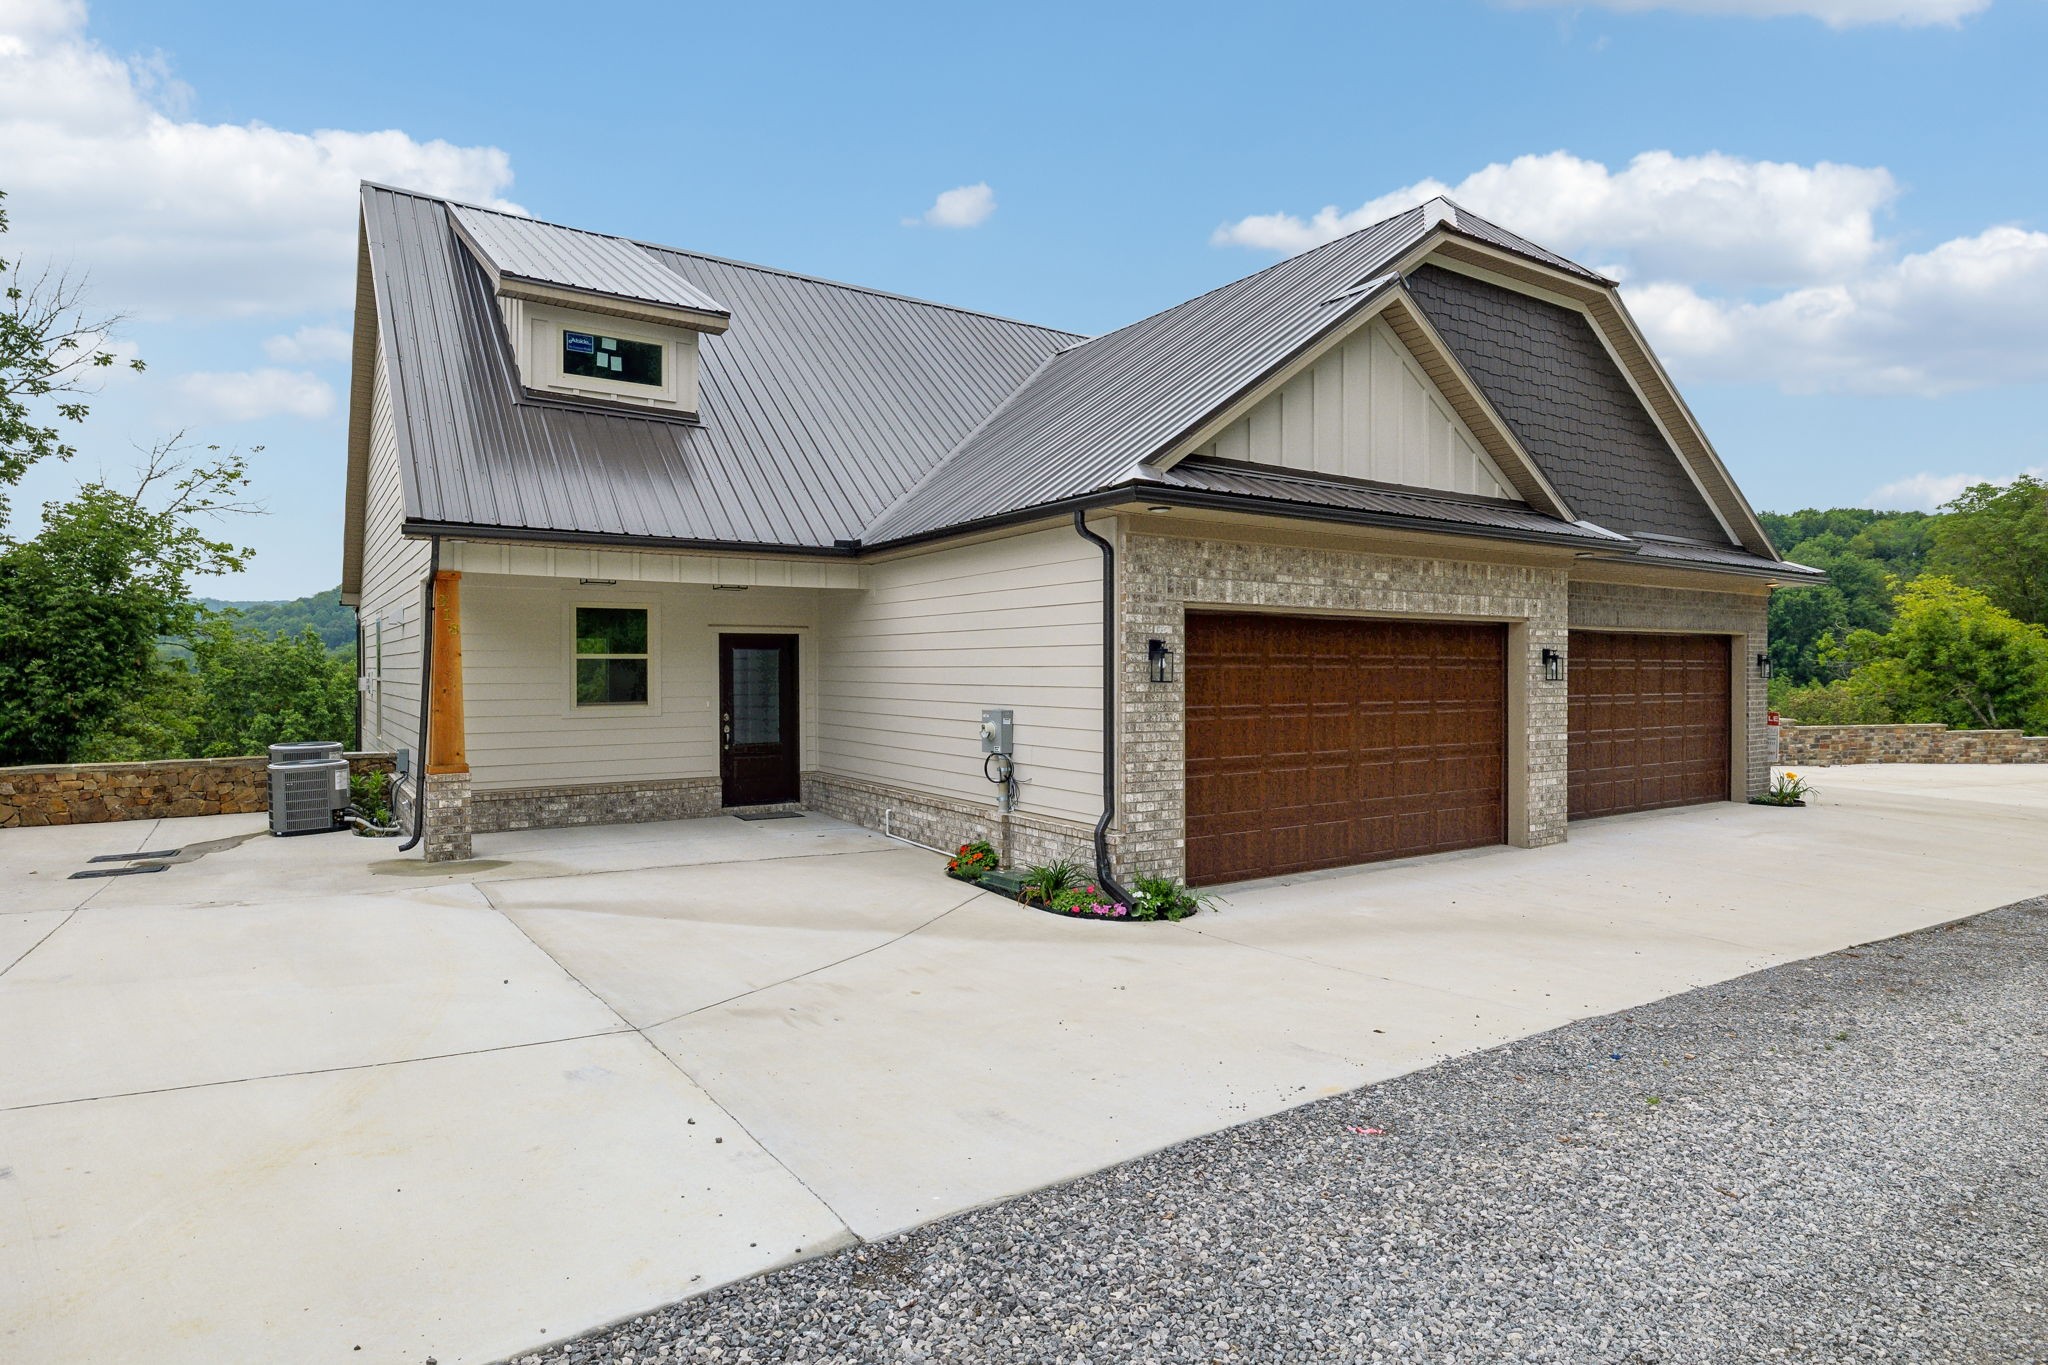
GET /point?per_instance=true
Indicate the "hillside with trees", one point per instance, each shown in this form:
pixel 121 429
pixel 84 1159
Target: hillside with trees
pixel 1926 616
pixel 89 596
pixel 322 613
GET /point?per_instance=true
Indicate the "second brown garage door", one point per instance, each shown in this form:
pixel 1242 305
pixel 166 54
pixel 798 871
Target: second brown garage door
pixel 1649 721
pixel 1317 742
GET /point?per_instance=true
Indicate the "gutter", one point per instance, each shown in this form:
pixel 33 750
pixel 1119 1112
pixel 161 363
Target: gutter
pixel 1777 574
pixel 1105 879
pixel 1144 491
pixel 419 774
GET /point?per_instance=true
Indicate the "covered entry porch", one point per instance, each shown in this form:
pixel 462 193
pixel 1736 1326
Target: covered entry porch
pixel 586 686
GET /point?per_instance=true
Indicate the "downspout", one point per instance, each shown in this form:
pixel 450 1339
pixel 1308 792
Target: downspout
pixel 419 753
pixel 1104 878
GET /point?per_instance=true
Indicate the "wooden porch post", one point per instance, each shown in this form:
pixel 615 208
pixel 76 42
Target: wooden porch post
pixel 446 781
pixel 447 740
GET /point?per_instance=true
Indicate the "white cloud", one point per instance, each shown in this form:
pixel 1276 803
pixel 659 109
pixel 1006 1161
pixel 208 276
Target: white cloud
pixel 1757 271
pixel 1833 13
pixel 171 216
pixel 308 346
pixel 1718 217
pixel 1970 313
pixel 964 207
pixel 245 395
pixel 1926 492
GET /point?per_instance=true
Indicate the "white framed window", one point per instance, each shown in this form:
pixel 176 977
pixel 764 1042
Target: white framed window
pixel 591 355
pixel 611 658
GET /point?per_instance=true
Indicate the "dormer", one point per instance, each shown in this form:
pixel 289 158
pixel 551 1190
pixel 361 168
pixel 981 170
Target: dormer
pixel 593 318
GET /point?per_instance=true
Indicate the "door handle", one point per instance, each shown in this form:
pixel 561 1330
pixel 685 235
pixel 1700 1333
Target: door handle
pixel 725 728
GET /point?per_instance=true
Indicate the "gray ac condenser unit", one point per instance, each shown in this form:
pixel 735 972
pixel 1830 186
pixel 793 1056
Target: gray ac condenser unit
pixel 308 788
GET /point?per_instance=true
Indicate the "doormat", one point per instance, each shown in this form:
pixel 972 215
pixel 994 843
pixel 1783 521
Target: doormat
pixel 119 871
pixel 766 814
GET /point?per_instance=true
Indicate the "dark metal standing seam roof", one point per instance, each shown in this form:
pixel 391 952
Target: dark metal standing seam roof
pixel 528 249
pixel 1687 554
pixel 832 413
pixel 1409 504
pixel 820 405
pixel 1096 411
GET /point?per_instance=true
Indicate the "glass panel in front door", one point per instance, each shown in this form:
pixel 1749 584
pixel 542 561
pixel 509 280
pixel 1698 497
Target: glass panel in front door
pixel 756 696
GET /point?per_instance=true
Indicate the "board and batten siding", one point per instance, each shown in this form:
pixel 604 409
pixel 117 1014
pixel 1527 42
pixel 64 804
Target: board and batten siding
pixel 910 661
pixel 1365 410
pixel 393 590
pixel 524 729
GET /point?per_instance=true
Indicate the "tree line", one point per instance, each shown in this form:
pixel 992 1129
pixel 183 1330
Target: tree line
pixel 1938 616
pixel 91 598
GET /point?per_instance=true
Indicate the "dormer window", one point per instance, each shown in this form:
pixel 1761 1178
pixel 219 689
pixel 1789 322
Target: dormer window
pixel 591 317
pixel 591 356
pixel 622 360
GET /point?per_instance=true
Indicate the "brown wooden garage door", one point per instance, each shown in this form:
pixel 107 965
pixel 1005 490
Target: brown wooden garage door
pixel 1649 721
pixel 1317 742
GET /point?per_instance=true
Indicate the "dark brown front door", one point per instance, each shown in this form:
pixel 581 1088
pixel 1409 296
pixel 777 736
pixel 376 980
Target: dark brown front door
pixel 1318 742
pixel 757 718
pixel 1649 721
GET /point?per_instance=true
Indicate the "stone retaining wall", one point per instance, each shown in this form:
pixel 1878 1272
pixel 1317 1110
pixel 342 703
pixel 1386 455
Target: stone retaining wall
pixel 1825 745
pixel 90 793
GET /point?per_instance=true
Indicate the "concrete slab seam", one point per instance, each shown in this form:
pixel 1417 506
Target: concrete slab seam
pixel 701 1088
pixel 317 1071
pixel 822 967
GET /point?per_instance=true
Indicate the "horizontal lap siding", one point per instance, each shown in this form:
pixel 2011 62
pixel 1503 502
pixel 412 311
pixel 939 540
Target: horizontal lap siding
pixel 910 662
pixel 523 732
pixel 394 571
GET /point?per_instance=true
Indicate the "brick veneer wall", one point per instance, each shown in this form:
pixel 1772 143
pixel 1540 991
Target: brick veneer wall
pixel 90 793
pixel 1020 839
pixel 1160 577
pixel 1746 616
pixel 594 803
pixel 1826 745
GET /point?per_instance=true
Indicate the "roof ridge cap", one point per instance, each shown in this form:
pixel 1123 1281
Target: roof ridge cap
pixel 1230 283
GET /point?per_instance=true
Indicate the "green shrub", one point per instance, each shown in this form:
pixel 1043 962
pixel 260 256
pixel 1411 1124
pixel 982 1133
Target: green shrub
pixel 972 860
pixel 1043 883
pixel 1842 702
pixel 1164 898
pixel 367 792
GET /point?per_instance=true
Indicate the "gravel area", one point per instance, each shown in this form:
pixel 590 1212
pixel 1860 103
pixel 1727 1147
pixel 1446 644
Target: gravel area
pixel 1836 1160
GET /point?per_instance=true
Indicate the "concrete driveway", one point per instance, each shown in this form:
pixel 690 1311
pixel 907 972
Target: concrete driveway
pixel 295 1097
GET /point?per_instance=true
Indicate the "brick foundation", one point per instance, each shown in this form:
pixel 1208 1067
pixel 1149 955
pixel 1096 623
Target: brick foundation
pixel 1020 839
pixel 601 803
pixel 91 793
pixel 1827 745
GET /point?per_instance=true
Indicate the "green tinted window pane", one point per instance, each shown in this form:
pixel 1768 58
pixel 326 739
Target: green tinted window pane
pixel 611 630
pixel 594 355
pixel 611 682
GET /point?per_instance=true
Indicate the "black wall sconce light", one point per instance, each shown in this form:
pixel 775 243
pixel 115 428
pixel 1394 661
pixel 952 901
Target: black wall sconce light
pixel 1553 666
pixel 1160 657
pixel 1763 666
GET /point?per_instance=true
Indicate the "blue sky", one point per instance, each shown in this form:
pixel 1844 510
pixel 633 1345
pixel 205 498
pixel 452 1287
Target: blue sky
pixel 1822 210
